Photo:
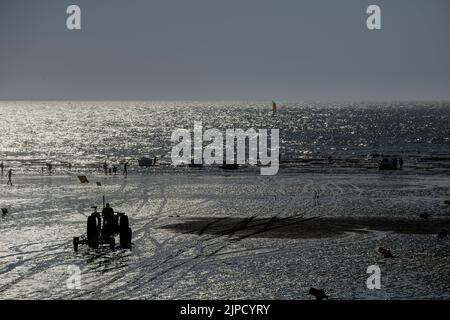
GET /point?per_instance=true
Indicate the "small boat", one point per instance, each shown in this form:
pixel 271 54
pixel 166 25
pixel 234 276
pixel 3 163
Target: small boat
pixel 146 162
pixel 388 164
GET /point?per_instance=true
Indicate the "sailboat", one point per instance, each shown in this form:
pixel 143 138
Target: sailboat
pixel 274 107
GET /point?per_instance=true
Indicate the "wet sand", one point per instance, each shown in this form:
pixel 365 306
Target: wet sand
pixel 234 236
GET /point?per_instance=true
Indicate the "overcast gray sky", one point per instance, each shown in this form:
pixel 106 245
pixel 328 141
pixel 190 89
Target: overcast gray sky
pixel 229 49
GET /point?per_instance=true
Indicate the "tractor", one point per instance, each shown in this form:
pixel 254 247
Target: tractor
pixel 102 230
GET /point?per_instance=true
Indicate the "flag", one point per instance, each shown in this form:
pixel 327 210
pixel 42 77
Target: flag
pixel 83 179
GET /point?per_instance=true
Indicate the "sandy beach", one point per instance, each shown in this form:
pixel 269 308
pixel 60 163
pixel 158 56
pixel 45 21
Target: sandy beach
pixel 230 236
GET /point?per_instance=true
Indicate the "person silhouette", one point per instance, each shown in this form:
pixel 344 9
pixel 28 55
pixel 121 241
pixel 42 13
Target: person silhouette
pixel 395 163
pixel 9 175
pixel 108 217
pixel 49 168
pixel 125 168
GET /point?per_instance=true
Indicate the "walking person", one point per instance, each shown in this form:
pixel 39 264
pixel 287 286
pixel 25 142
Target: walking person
pixel 105 167
pixel 2 166
pixel 9 175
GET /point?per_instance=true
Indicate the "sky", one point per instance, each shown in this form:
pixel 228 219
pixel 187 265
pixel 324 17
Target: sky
pixel 290 50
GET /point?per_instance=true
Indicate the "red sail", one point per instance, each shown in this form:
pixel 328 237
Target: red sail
pixel 274 106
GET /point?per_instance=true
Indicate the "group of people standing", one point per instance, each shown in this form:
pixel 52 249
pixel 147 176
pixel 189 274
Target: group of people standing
pixel 113 169
pixel 108 169
pixel 49 168
pixel 9 173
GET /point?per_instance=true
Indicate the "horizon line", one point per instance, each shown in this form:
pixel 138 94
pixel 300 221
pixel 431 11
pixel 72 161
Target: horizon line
pixel 230 100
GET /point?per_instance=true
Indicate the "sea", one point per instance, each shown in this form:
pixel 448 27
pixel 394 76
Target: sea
pixel 355 134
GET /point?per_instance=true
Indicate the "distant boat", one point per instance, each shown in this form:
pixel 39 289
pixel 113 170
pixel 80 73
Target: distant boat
pixel 147 162
pixel 274 107
pixel 388 164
